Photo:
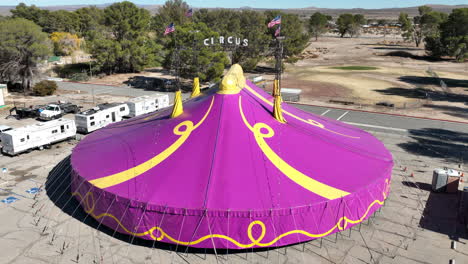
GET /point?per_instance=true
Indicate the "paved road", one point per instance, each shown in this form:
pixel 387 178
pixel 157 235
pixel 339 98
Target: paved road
pixel 364 120
pixel 97 89
pixel 391 123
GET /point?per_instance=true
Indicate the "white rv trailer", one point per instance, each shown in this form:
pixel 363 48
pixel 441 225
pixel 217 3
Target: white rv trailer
pixel 100 116
pixel 147 104
pixel 39 135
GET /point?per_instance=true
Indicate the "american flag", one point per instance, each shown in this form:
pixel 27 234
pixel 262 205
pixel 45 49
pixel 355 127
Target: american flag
pixel 275 21
pixel 278 31
pixel 189 13
pixel 169 29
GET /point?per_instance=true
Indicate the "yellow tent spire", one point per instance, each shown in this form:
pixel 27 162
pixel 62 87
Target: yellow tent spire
pixel 277 111
pixel 276 90
pixel 233 82
pixel 196 87
pixel 178 107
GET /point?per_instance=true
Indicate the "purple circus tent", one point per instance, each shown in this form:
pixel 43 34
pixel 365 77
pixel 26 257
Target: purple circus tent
pixel 226 174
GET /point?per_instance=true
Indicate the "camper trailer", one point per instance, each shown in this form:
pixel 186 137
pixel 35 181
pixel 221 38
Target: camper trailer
pixel 147 104
pixel 39 135
pixel 100 116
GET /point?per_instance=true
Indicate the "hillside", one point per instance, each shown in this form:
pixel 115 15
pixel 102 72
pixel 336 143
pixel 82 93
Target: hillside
pixel 370 13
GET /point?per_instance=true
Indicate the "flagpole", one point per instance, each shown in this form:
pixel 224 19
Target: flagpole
pixel 177 60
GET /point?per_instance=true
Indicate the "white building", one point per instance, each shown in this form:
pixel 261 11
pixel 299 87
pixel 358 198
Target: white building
pixel 3 94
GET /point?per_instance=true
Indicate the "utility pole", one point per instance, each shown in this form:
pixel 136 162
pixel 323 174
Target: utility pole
pixel 195 51
pixel 176 67
pixel 279 59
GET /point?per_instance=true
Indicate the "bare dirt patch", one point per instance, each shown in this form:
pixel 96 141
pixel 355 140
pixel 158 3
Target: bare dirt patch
pixel 311 89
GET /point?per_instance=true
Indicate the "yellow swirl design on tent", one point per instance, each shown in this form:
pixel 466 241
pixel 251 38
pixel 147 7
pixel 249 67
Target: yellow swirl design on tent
pixel 308 121
pixel 298 177
pixel 114 179
pixel 341 224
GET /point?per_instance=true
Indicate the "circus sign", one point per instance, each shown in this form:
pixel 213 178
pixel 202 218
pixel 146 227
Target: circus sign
pixel 226 40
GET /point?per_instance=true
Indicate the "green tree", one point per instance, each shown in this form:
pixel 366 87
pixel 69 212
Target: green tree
pixel 430 23
pixel 50 21
pixel 111 56
pixel 407 27
pixel 454 34
pixel 127 45
pixel 59 21
pixel 32 12
pixel 294 31
pixel 345 23
pixel 173 11
pixel 245 24
pixel 350 24
pixel 251 26
pixel 318 24
pixel 22 46
pixel 423 26
pixel 90 21
pixel 126 21
pixel 196 59
pixel 424 10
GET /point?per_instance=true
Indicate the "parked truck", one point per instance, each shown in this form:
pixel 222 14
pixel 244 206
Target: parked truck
pixel 55 111
pixel 100 116
pixel 147 104
pixel 32 111
pixel 38 136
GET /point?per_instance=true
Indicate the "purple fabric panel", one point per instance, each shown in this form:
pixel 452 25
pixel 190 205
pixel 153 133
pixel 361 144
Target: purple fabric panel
pixel 219 181
pixel 315 219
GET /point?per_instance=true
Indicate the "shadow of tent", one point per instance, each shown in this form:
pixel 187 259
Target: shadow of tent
pixel 441 213
pixel 58 189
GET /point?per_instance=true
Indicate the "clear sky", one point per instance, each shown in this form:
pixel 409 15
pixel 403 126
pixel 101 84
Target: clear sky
pixel 257 3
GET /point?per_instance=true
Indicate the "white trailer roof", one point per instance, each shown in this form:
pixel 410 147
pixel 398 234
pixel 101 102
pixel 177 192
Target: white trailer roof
pixel 38 126
pixel 145 97
pixel 99 108
pixel 291 91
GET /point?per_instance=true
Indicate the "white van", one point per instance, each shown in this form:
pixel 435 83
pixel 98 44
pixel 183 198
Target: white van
pixel 39 135
pixel 147 104
pixel 100 116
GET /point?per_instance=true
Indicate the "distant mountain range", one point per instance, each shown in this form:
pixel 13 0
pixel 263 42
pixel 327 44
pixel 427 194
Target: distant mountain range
pixel 369 13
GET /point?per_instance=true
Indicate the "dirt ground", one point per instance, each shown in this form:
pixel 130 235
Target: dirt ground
pixel 403 79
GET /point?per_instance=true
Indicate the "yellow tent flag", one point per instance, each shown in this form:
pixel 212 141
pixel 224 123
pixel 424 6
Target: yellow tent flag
pixel 277 111
pixel 178 107
pixel 196 88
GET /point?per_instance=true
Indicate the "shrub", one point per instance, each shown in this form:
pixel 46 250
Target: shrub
pixel 44 88
pixel 79 77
